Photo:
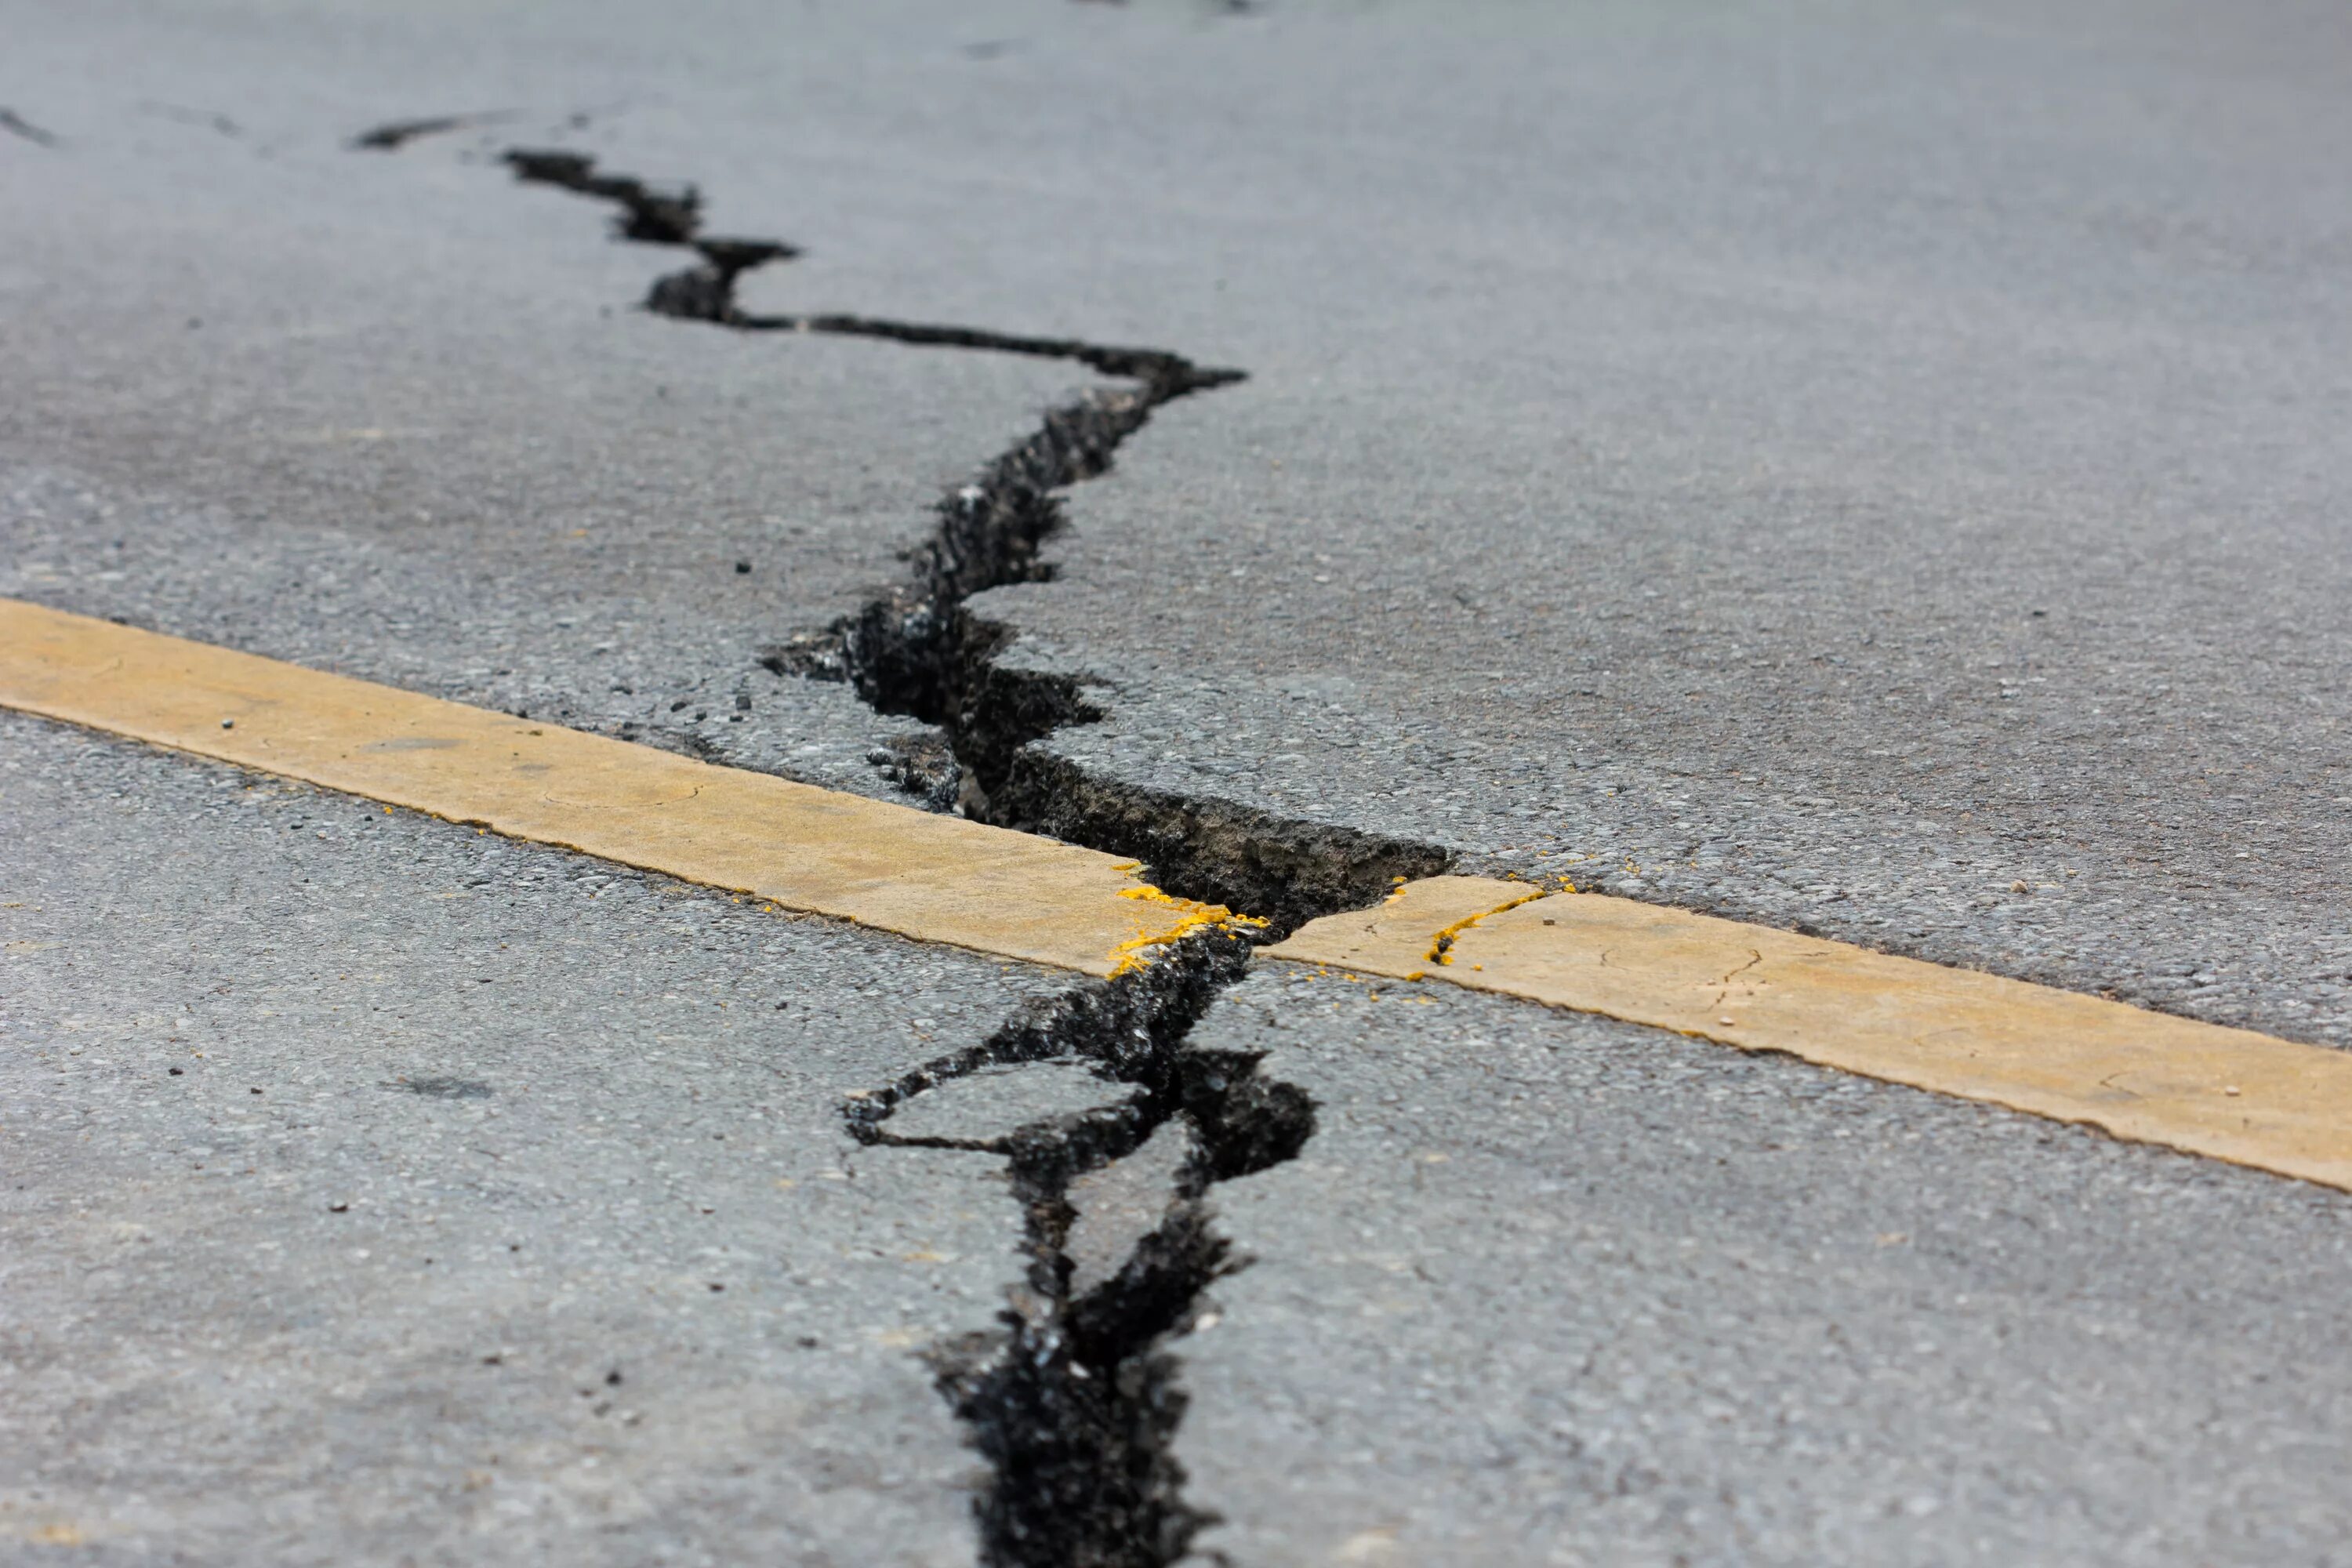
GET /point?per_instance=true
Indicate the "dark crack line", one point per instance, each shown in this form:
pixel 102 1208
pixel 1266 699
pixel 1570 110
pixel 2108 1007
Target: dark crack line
pixel 1754 958
pixel 1149 365
pixel 1074 1399
pixel 394 134
pixel 16 124
pixel 654 215
pixel 916 650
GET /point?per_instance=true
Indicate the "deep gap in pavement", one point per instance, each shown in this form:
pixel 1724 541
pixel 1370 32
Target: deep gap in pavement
pixel 916 649
pixel 1074 1400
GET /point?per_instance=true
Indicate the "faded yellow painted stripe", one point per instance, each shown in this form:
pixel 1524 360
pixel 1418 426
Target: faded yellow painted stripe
pixel 937 878
pixel 2231 1094
pixel 1398 936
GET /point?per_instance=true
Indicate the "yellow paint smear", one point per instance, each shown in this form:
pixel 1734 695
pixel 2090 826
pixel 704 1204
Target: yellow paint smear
pixel 1189 917
pixel 1441 945
pixel 2229 1094
pixel 935 878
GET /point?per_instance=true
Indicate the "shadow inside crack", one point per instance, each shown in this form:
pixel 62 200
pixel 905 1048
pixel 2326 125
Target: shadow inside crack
pixel 916 649
pixel 1074 1399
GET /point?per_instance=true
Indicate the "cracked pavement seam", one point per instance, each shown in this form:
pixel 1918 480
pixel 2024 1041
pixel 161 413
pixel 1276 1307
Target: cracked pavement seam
pixel 1074 1399
pixel 1076 1424
pixel 916 650
pixel 1075 1402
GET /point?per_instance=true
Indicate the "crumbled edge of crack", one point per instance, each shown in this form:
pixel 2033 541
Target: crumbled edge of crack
pixel 1191 918
pixel 1074 1404
pixel 915 650
pixel 655 214
pixel 1074 1400
pixel 923 765
pixel 1221 851
pixel 650 213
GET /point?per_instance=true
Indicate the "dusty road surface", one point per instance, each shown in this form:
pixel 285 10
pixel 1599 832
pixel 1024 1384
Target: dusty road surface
pixel 1113 494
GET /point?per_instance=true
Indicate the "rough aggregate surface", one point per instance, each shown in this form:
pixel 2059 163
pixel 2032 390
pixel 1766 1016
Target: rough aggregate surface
pixel 377 1189
pixel 1873 473
pixel 1550 1288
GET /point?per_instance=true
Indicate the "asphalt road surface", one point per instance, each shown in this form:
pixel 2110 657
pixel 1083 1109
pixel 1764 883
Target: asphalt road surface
pixel 1876 471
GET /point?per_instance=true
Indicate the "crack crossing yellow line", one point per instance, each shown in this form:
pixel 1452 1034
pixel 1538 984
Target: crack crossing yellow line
pixel 936 878
pixel 2152 1078
pixel 2228 1093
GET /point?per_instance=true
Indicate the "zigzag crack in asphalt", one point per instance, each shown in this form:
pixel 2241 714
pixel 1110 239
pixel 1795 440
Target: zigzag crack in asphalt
pixel 1074 1399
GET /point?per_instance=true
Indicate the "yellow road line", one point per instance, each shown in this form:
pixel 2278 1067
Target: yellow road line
pixel 2231 1094
pixel 1398 937
pixel 2228 1093
pixel 937 878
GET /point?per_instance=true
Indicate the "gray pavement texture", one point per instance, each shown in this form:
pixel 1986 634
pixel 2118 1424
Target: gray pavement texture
pixel 987 1104
pixel 1875 470
pixel 1550 1288
pixel 379 1192
pixel 1807 466
pixel 399 417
